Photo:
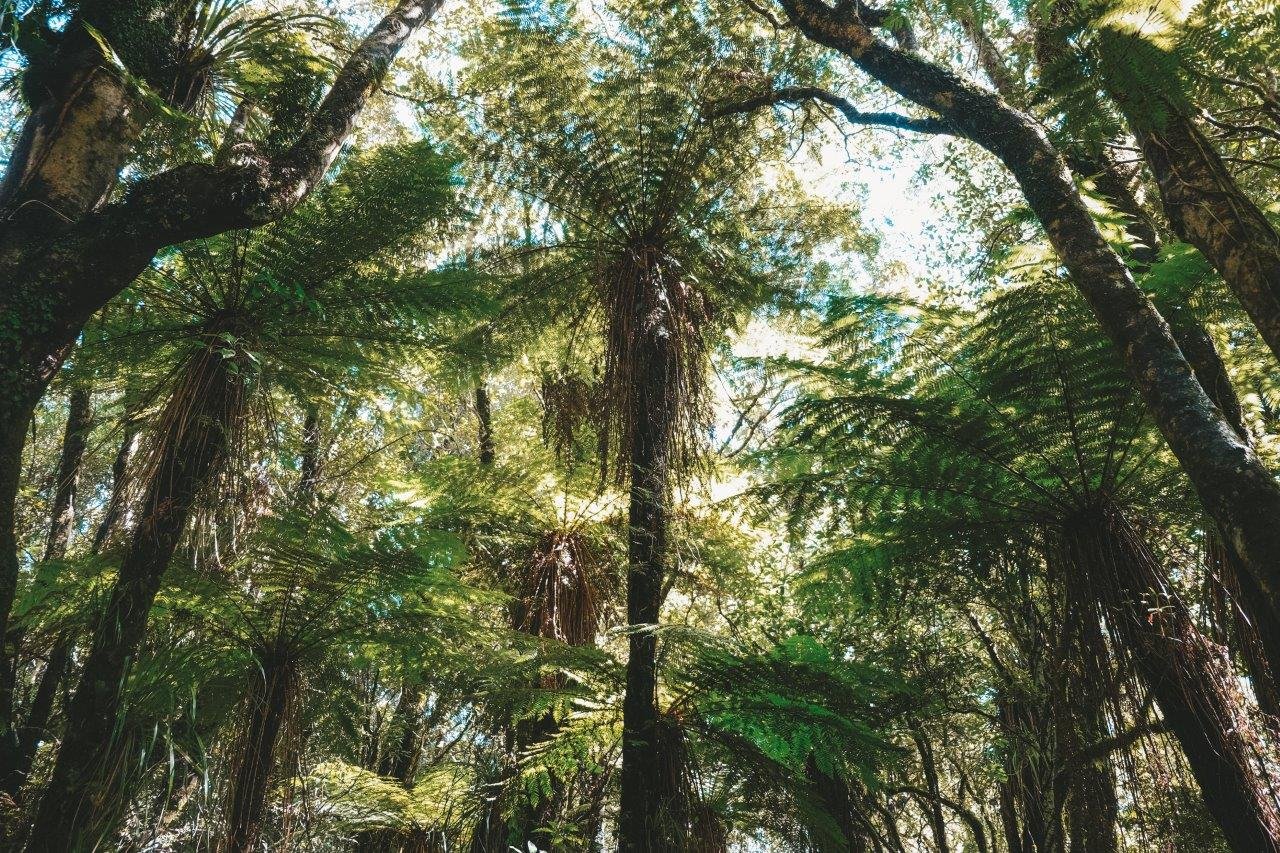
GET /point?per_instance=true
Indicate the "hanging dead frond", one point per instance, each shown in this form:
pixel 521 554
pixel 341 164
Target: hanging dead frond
pixel 655 363
pixel 564 590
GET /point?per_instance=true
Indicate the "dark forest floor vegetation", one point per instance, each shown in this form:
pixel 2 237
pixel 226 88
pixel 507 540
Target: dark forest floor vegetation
pixel 579 425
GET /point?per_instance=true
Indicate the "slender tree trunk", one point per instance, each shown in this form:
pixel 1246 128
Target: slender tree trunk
pixel 1233 484
pixel 1191 684
pixel 399 762
pixel 268 709
pixel 17 406
pixel 641 820
pixel 36 726
pixel 74 441
pixel 20 742
pixel 484 426
pixel 933 808
pixel 1013 836
pixel 310 465
pixel 114 514
pixel 197 424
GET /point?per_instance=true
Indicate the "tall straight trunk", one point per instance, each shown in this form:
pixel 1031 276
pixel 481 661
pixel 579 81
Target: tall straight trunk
pixel 1231 481
pixel 641 821
pixel 1190 683
pixel 35 727
pixel 197 423
pixel 20 742
pixel 268 709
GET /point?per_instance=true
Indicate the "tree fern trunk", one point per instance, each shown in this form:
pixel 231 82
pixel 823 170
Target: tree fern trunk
pixel 268 709
pixel 200 416
pixel 641 820
pixel 484 426
pixel 1190 683
pixel 1092 807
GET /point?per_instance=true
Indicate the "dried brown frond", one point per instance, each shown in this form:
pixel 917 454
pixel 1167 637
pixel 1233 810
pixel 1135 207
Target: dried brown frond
pixel 655 361
pixel 564 590
pixel 208 411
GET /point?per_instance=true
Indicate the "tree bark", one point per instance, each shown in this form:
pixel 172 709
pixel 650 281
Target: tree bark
pixel 1232 483
pixel 20 742
pixel 1191 685
pixel 114 514
pixel 54 275
pixel 641 820
pixel 268 709
pixel 1207 208
pixel 933 805
pixel 200 417
pixel 484 426
pixel 1092 808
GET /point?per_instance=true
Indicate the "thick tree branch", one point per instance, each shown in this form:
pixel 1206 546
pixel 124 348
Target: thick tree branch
pixel 89 261
pixel 800 94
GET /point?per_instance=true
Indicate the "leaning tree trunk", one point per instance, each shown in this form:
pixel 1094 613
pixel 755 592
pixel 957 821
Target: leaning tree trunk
pixel 1202 200
pixel 195 428
pixel 20 742
pixel 1113 568
pixel 268 709
pixel 1233 484
pixel 1255 620
pixel 652 420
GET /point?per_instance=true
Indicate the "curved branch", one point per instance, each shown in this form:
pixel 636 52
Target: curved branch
pixel 974 824
pixel 800 94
